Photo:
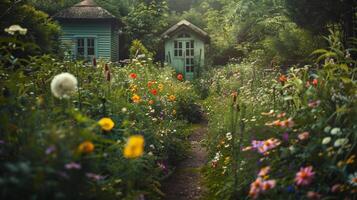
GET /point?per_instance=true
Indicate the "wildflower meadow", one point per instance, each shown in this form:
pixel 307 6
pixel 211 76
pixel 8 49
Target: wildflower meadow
pixel 178 100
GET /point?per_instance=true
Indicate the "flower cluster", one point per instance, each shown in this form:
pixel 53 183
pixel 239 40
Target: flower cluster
pixel 261 184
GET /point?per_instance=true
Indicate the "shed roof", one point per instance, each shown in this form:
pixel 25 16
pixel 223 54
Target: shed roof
pixel 86 9
pixel 182 25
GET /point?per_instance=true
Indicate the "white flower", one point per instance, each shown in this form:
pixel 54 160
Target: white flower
pixel 123 110
pixel 336 131
pixel 327 129
pixel 16 28
pixel 341 142
pixel 352 179
pixel 229 136
pixel 63 85
pixel 326 140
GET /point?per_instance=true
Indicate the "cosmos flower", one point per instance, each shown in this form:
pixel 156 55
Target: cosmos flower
pixel 63 85
pixel 72 165
pixel 264 171
pixel 304 176
pixel 313 195
pixel 94 177
pixel 106 124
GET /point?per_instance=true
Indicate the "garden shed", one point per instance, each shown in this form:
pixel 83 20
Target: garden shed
pixel 185 48
pixel 89 32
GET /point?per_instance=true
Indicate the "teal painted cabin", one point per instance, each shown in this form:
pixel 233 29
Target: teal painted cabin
pixel 185 48
pixel 89 31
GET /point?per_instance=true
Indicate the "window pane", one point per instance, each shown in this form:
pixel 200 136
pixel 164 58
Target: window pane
pixel 187 45
pixel 187 52
pixel 192 52
pixel 91 51
pixel 187 69
pixel 175 53
pixel 188 61
pixel 180 52
pixel 175 44
pixel 192 68
pixel 180 45
pixel 192 44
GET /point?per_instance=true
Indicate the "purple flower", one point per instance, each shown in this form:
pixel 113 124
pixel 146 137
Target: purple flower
pixel 72 165
pixel 286 136
pixel 95 177
pixel 50 149
pixel 256 144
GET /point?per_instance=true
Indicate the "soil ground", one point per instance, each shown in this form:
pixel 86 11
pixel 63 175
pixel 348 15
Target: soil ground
pixel 186 182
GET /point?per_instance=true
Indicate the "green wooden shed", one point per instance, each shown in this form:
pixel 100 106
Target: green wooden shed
pixel 89 32
pixel 185 48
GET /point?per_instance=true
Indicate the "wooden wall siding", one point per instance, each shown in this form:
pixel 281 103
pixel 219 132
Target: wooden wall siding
pixel 115 45
pixel 101 30
pixel 178 63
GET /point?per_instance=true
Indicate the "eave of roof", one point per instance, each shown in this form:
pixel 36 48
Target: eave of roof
pixel 86 9
pixel 184 24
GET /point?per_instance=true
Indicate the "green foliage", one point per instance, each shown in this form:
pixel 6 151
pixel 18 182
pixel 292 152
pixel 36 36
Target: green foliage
pixel 137 48
pixel 42 31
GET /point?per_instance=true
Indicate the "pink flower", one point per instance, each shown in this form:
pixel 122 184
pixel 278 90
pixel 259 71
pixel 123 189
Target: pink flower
pixel 336 188
pixel 72 165
pixel 304 136
pixel 269 184
pixel 313 195
pixel 314 104
pixel 304 176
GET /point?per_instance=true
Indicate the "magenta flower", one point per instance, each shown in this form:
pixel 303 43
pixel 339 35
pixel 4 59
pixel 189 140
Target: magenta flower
pixel 72 165
pixel 304 176
pixel 94 177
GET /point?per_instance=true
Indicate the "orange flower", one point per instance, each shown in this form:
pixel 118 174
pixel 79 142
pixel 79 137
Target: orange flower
pixel 133 75
pixel 151 83
pixel 135 98
pixel 179 77
pixel 172 98
pixel 151 102
pixel 283 78
pixel 153 92
pixel 86 147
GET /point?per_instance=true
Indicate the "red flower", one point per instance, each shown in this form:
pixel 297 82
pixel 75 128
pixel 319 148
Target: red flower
pixel 133 75
pixel 180 77
pixel 153 91
pixel 314 82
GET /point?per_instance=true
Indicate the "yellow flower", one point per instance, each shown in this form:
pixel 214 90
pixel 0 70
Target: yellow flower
pixel 172 98
pixel 134 147
pixel 106 123
pixel 161 87
pixel 86 147
pixel 174 112
pixel 135 98
pixel 133 88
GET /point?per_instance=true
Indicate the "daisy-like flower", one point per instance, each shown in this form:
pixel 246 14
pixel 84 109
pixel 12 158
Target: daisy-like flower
pixel 352 179
pixel 153 92
pixel 63 85
pixel 229 136
pixel 135 98
pixel 326 140
pixel 304 176
pixel 16 28
pixel 172 98
pixel 336 131
pixel 341 142
pixel 179 77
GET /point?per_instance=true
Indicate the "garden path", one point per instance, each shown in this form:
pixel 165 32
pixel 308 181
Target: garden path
pixel 186 182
